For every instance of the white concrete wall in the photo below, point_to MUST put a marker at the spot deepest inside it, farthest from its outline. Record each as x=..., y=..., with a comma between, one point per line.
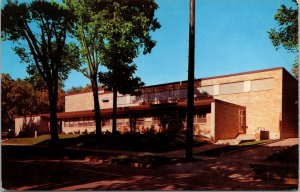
x=20, y=120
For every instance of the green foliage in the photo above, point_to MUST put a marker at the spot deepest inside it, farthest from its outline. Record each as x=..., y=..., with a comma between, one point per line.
x=21, y=98
x=88, y=33
x=41, y=29
x=17, y=98
x=122, y=78
x=35, y=141
x=75, y=90
x=43, y=26
x=286, y=34
x=126, y=29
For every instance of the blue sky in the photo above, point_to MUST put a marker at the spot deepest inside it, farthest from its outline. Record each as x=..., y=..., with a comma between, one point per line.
x=231, y=37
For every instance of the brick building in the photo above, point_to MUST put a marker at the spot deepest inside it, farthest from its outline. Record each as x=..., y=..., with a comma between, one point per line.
x=259, y=104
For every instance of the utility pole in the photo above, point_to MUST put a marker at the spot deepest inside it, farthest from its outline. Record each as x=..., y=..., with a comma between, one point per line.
x=191, y=76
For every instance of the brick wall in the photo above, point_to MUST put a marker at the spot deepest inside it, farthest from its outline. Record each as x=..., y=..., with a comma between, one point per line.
x=263, y=107
x=289, y=106
x=85, y=101
x=227, y=120
x=267, y=103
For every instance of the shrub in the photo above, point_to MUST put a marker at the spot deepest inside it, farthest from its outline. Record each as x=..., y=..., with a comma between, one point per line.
x=85, y=132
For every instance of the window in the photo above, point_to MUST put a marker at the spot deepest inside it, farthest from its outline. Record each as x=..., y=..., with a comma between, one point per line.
x=121, y=100
x=156, y=120
x=230, y=88
x=178, y=94
x=261, y=84
x=151, y=96
x=162, y=96
x=142, y=98
x=105, y=122
x=90, y=121
x=133, y=99
x=200, y=118
x=123, y=122
x=140, y=121
x=207, y=89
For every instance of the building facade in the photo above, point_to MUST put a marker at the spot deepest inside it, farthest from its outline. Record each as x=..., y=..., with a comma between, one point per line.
x=256, y=103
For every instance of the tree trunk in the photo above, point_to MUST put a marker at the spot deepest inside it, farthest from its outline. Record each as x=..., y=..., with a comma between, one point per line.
x=114, y=115
x=52, y=90
x=96, y=106
x=191, y=76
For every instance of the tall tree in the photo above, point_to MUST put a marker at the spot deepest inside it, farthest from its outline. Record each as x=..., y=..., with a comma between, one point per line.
x=127, y=29
x=286, y=34
x=111, y=32
x=42, y=26
x=120, y=79
x=88, y=32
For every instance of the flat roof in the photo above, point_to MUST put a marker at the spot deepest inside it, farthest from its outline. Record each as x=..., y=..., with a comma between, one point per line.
x=219, y=76
x=134, y=109
x=199, y=79
x=198, y=103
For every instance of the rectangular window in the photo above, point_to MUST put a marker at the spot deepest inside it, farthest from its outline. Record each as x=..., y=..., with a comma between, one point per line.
x=178, y=94
x=121, y=100
x=151, y=97
x=262, y=84
x=162, y=96
x=66, y=123
x=142, y=98
x=230, y=88
x=205, y=89
x=156, y=120
x=200, y=118
x=105, y=122
x=133, y=99
x=140, y=121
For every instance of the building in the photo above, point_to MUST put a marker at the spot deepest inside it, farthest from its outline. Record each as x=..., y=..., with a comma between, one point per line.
x=260, y=104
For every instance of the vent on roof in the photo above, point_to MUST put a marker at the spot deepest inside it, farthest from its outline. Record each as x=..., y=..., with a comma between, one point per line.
x=104, y=100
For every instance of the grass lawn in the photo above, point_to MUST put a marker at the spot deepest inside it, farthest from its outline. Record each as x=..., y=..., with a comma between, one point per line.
x=289, y=155
x=135, y=142
x=286, y=167
x=34, y=141
x=219, y=151
x=127, y=142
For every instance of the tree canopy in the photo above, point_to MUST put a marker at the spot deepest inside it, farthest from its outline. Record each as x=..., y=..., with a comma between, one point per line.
x=41, y=29
x=126, y=32
x=286, y=34
x=89, y=22
x=20, y=98
x=111, y=33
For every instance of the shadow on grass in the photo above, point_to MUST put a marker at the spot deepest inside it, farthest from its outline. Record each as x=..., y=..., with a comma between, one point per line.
x=282, y=165
x=92, y=145
x=128, y=142
x=200, y=175
x=231, y=148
